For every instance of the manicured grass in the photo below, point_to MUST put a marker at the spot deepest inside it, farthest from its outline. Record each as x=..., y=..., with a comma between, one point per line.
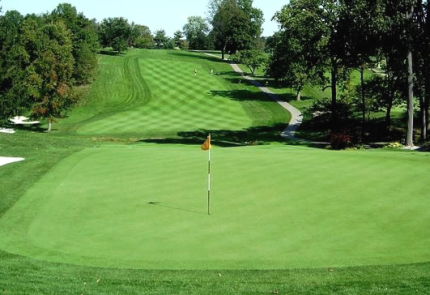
x=156, y=93
x=104, y=212
x=145, y=207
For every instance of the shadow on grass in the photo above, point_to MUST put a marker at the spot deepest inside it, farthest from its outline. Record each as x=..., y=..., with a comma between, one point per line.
x=111, y=53
x=242, y=95
x=37, y=128
x=196, y=55
x=260, y=135
x=158, y=204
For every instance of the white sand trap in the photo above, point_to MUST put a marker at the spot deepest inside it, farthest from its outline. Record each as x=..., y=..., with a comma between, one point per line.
x=21, y=120
x=7, y=130
x=8, y=160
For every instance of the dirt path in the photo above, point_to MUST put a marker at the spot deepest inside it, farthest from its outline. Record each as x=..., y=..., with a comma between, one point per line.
x=296, y=115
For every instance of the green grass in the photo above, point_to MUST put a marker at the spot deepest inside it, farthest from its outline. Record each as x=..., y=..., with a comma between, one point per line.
x=93, y=210
x=156, y=93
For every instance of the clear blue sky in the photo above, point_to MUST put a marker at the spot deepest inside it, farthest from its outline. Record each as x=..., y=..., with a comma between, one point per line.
x=169, y=15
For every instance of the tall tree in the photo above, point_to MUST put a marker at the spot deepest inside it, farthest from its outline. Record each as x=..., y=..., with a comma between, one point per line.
x=48, y=78
x=410, y=132
x=143, y=36
x=361, y=23
x=115, y=33
x=13, y=60
x=315, y=23
x=177, y=39
x=85, y=44
x=236, y=25
x=160, y=39
x=196, y=31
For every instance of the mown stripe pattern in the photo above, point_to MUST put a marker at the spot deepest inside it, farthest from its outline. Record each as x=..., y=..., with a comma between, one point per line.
x=164, y=95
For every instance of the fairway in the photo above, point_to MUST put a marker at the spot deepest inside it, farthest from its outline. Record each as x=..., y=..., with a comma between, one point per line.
x=273, y=207
x=157, y=93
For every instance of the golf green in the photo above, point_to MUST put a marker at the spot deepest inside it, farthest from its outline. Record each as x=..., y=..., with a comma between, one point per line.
x=272, y=207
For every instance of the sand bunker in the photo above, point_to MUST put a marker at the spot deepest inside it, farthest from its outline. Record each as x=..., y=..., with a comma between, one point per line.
x=8, y=160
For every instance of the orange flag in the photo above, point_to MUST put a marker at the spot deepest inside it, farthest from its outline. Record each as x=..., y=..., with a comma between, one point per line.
x=207, y=144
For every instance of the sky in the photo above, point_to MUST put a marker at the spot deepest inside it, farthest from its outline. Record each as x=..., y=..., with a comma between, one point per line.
x=168, y=15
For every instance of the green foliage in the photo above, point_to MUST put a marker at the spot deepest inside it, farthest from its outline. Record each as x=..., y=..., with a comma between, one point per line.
x=85, y=44
x=253, y=59
x=141, y=37
x=394, y=145
x=161, y=41
x=13, y=60
x=196, y=31
x=236, y=25
x=177, y=40
x=51, y=71
x=115, y=33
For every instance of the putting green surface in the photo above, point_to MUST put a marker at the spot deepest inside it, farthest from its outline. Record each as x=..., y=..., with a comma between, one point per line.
x=272, y=207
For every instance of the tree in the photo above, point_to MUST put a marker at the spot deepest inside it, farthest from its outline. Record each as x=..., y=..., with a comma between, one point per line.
x=294, y=57
x=253, y=59
x=409, y=59
x=236, y=25
x=115, y=33
x=361, y=22
x=317, y=26
x=160, y=39
x=85, y=43
x=143, y=36
x=177, y=39
x=13, y=59
x=48, y=75
x=196, y=31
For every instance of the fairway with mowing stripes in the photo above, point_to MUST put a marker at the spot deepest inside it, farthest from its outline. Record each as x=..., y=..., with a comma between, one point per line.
x=273, y=207
x=153, y=94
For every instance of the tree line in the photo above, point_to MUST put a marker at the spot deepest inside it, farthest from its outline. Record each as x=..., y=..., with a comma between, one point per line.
x=321, y=41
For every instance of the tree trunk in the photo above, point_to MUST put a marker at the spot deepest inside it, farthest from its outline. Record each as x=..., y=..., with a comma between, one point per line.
x=223, y=51
x=390, y=95
x=334, y=116
x=410, y=132
x=388, y=115
x=49, y=125
x=363, y=101
x=423, y=118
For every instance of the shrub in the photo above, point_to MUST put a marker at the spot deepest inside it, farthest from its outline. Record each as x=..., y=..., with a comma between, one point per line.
x=340, y=140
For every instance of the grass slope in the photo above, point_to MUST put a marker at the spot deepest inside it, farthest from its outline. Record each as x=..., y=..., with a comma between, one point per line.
x=156, y=93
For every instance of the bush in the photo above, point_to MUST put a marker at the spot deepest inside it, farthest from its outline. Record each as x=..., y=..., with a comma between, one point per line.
x=340, y=140
x=394, y=145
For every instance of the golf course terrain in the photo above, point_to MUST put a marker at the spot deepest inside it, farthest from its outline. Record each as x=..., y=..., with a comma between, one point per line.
x=114, y=199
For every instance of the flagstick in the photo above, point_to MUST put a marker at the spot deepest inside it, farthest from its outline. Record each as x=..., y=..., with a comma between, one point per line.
x=209, y=180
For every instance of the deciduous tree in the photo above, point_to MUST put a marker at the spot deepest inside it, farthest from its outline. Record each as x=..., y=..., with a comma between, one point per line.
x=115, y=33
x=236, y=25
x=196, y=31
x=85, y=44
x=49, y=73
